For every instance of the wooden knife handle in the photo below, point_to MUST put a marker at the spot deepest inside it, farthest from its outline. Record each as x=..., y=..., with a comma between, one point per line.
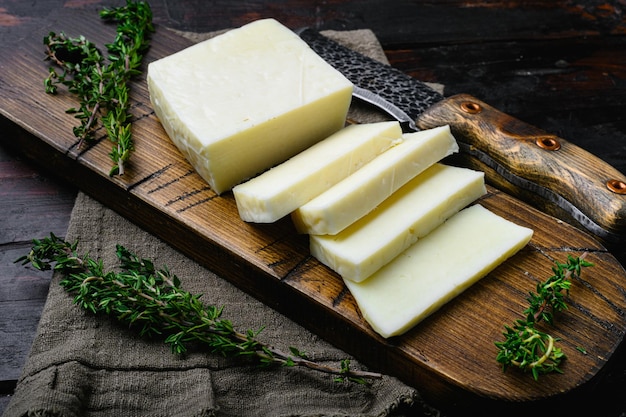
x=592, y=191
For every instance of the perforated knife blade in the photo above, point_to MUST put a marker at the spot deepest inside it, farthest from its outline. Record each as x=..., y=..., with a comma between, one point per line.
x=540, y=168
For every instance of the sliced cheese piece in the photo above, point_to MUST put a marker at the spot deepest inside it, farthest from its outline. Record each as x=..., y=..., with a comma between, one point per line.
x=407, y=215
x=354, y=197
x=436, y=269
x=279, y=191
x=246, y=100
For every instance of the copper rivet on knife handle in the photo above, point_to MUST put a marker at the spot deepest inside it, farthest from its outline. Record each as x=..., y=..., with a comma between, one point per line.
x=548, y=143
x=471, y=107
x=617, y=186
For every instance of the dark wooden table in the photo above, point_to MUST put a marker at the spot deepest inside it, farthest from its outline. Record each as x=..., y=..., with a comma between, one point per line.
x=560, y=65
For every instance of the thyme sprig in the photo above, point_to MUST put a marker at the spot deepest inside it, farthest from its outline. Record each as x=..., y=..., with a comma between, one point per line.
x=527, y=348
x=152, y=300
x=102, y=88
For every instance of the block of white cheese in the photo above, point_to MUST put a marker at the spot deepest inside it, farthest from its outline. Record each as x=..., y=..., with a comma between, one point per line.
x=246, y=100
x=282, y=189
x=410, y=213
x=354, y=197
x=436, y=269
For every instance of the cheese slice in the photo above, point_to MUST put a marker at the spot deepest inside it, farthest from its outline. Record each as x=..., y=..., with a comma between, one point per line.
x=246, y=100
x=436, y=269
x=410, y=213
x=354, y=197
x=279, y=191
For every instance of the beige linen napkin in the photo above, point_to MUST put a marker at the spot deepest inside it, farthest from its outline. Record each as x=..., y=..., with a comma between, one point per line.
x=86, y=365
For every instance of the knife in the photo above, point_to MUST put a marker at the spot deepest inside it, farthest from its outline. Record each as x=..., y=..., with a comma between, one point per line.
x=540, y=168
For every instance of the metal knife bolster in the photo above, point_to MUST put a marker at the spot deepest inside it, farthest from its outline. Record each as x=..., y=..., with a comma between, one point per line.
x=542, y=169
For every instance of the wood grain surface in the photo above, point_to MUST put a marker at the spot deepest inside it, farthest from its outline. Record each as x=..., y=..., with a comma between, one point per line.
x=163, y=194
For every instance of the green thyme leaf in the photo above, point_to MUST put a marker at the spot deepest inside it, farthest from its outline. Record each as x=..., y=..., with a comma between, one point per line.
x=102, y=87
x=527, y=348
x=152, y=300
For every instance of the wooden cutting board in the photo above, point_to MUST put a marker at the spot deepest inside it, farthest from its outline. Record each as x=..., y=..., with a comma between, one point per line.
x=449, y=357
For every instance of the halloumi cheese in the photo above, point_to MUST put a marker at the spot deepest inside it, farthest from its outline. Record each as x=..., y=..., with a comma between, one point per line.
x=358, y=194
x=436, y=269
x=410, y=213
x=246, y=100
x=287, y=186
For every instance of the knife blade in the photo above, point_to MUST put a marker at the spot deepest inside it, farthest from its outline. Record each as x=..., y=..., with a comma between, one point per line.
x=540, y=168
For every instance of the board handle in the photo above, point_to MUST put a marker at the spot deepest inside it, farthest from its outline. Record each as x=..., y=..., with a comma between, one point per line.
x=590, y=190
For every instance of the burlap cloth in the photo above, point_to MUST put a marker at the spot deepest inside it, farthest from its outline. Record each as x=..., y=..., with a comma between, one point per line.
x=86, y=365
